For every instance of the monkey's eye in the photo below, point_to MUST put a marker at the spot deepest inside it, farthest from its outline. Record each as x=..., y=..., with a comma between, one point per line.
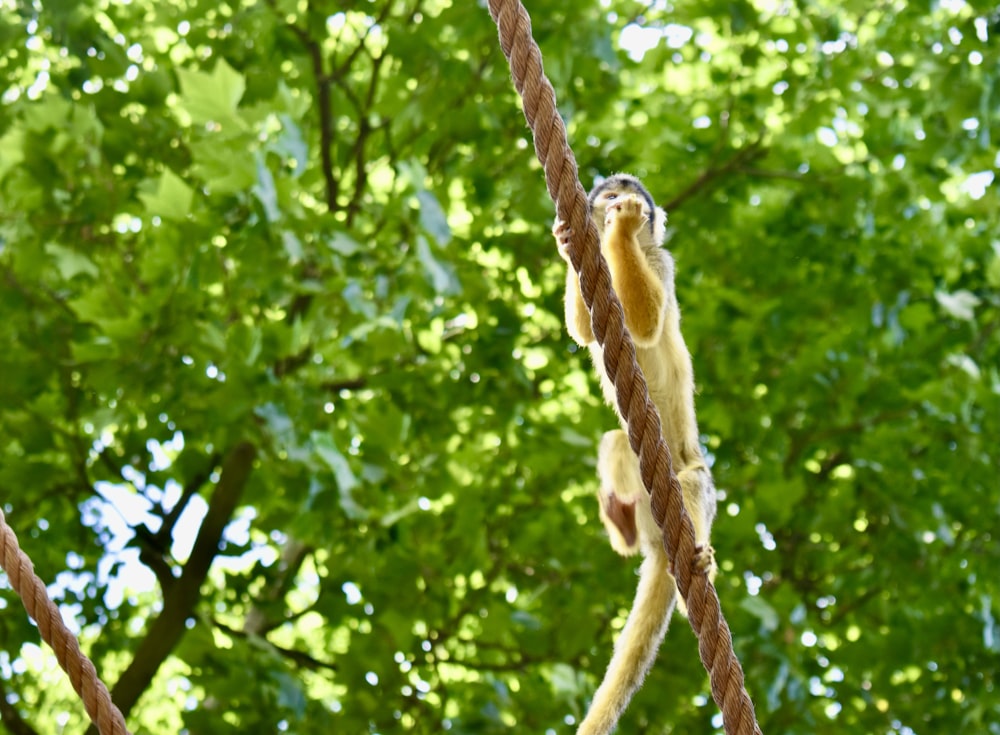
x=610, y=196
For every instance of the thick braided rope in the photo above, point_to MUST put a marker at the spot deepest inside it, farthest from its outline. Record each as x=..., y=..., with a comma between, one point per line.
x=715, y=643
x=44, y=612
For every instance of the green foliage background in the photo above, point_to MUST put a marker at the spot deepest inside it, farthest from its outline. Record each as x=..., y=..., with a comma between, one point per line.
x=285, y=266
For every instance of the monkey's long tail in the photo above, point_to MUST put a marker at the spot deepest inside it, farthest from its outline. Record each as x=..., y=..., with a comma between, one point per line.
x=636, y=647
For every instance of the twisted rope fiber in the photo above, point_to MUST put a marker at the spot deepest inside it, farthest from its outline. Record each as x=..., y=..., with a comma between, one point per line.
x=715, y=643
x=43, y=611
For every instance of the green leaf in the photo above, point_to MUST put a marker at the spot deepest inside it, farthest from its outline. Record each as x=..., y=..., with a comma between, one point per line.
x=71, y=263
x=212, y=97
x=433, y=218
x=94, y=306
x=327, y=451
x=291, y=144
x=766, y=614
x=441, y=276
x=98, y=349
x=266, y=192
x=169, y=198
x=11, y=150
x=343, y=244
x=293, y=246
x=226, y=166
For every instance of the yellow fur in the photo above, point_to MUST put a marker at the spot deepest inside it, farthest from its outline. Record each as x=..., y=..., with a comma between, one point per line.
x=577, y=317
x=642, y=272
x=637, y=286
x=637, y=643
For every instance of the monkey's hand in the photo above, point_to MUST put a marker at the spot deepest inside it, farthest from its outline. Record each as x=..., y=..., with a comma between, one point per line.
x=561, y=232
x=704, y=561
x=628, y=212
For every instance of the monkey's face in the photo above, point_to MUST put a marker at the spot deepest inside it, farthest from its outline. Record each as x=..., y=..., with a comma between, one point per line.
x=612, y=193
x=613, y=201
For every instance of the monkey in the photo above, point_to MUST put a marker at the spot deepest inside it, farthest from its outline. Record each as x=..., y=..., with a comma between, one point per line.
x=632, y=231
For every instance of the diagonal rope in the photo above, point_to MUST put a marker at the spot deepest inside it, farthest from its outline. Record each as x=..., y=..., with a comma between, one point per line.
x=43, y=611
x=715, y=643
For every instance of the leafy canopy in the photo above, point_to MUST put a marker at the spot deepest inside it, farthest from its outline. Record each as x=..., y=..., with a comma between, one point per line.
x=289, y=418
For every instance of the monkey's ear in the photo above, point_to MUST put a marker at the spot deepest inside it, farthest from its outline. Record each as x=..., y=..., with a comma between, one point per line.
x=659, y=225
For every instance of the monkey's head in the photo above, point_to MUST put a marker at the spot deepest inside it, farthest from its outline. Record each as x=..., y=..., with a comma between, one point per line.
x=614, y=187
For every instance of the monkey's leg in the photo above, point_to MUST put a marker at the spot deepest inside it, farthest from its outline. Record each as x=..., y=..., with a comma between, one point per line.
x=699, y=502
x=638, y=287
x=622, y=493
x=577, y=317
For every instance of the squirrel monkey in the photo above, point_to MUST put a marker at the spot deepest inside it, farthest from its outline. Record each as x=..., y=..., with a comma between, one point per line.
x=632, y=230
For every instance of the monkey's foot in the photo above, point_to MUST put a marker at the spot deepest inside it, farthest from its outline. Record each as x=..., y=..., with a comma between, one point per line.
x=561, y=231
x=619, y=520
x=629, y=211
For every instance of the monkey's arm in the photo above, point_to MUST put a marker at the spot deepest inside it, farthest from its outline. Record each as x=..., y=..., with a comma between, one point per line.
x=577, y=317
x=638, y=286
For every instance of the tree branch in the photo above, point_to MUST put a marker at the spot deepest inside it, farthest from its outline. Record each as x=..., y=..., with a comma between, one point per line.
x=164, y=534
x=166, y=631
x=325, y=111
x=764, y=173
x=335, y=386
x=11, y=718
x=257, y=621
x=364, y=130
x=299, y=657
x=323, y=108
x=743, y=156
